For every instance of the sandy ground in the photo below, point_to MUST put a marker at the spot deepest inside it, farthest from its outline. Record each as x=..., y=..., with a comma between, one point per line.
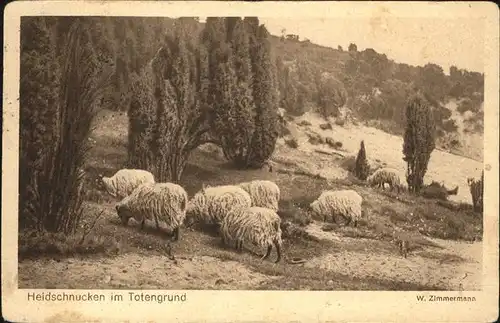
x=142, y=271
x=456, y=266
x=453, y=265
x=444, y=167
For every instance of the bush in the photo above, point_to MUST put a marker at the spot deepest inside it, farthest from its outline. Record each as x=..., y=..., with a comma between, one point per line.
x=476, y=188
x=304, y=123
x=57, y=111
x=419, y=141
x=292, y=143
x=316, y=139
x=325, y=126
x=339, y=122
x=361, y=169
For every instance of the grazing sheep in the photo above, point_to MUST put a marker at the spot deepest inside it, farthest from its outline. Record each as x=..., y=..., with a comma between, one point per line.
x=125, y=181
x=346, y=203
x=386, y=175
x=257, y=225
x=212, y=203
x=164, y=202
x=263, y=193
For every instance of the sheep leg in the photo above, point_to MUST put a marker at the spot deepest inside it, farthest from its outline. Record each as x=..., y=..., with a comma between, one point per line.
x=333, y=218
x=269, y=248
x=175, y=234
x=157, y=223
x=142, y=223
x=278, y=251
x=347, y=220
x=239, y=245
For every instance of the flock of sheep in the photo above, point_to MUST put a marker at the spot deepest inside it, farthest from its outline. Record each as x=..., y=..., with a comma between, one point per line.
x=245, y=212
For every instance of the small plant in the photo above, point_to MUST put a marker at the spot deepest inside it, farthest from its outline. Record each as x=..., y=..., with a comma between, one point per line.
x=304, y=123
x=419, y=141
x=340, y=122
x=362, y=169
x=330, y=142
x=325, y=126
x=316, y=139
x=476, y=188
x=292, y=143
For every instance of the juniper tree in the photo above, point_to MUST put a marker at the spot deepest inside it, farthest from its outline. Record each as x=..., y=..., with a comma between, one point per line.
x=232, y=80
x=362, y=169
x=58, y=105
x=265, y=98
x=419, y=141
x=142, y=121
x=175, y=92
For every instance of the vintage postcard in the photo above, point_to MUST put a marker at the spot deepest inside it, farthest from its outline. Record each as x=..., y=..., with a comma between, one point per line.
x=250, y=161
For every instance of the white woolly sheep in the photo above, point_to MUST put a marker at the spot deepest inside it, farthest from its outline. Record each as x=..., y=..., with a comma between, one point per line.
x=263, y=193
x=125, y=181
x=257, y=225
x=346, y=203
x=212, y=203
x=164, y=202
x=387, y=175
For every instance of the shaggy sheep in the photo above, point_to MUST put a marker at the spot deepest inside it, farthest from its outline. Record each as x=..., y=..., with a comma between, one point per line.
x=389, y=176
x=346, y=203
x=263, y=193
x=257, y=225
x=212, y=203
x=164, y=202
x=124, y=181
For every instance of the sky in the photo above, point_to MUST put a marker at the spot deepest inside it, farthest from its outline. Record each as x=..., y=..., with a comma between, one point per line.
x=414, y=41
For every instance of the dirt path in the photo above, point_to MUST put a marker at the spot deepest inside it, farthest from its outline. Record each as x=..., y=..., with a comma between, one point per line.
x=452, y=265
x=133, y=271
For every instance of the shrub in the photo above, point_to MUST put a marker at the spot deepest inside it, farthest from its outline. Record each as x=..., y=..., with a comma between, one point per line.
x=304, y=123
x=56, y=122
x=339, y=122
x=325, y=126
x=174, y=106
x=476, y=188
x=316, y=139
x=292, y=143
x=419, y=141
x=361, y=169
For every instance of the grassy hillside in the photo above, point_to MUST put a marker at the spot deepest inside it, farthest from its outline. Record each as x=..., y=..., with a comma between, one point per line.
x=377, y=87
x=362, y=258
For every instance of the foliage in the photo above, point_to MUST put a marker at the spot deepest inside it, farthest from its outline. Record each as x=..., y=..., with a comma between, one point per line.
x=419, y=141
x=56, y=125
x=266, y=132
x=331, y=95
x=476, y=188
x=242, y=86
x=362, y=169
x=230, y=81
x=172, y=98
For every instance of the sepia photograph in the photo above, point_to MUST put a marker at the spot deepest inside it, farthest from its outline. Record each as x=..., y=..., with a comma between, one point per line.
x=255, y=149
